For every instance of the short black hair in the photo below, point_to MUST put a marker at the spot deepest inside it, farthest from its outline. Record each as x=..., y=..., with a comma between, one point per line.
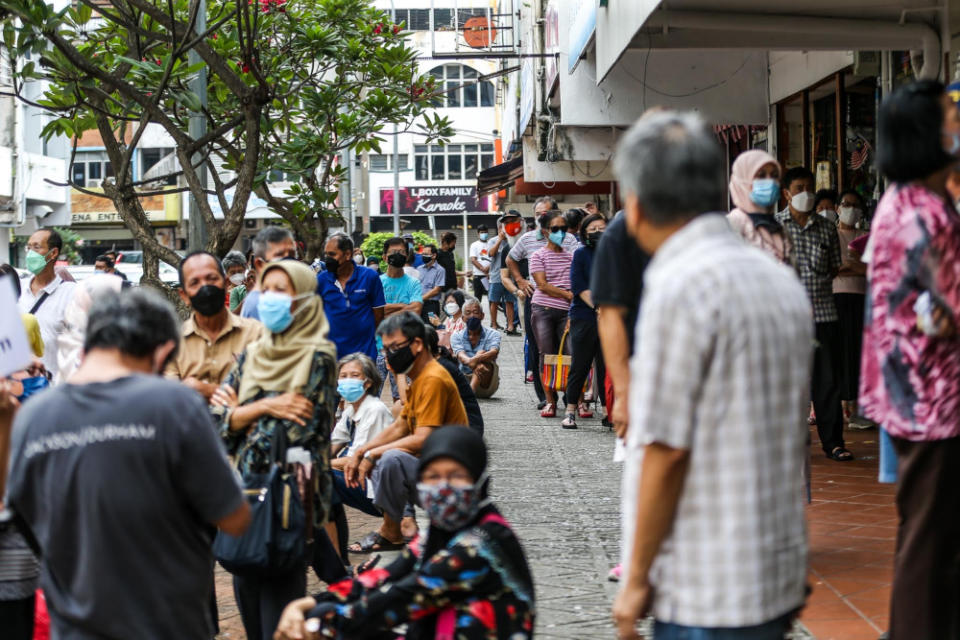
x=825, y=194
x=482, y=227
x=574, y=217
x=407, y=322
x=7, y=270
x=136, y=321
x=344, y=242
x=105, y=259
x=199, y=252
x=457, y=295
x=909, y=132
x=432, y=339
x=395, y=241
x=544, y=220
x=431, y=246
x=857, y=195
x=447, y=237
x=590, y=219
x=796, y=173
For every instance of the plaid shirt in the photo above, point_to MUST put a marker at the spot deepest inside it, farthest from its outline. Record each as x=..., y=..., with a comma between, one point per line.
x=816, y=250
x=722, y=369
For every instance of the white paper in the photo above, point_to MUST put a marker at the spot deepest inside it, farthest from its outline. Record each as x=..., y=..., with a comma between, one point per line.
x=14, y=349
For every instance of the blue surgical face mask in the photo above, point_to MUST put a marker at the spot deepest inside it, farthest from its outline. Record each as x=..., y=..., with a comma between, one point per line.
x=766, y=192
x=32, y=386
x=484, y=236
x=274, y=310
x=350, y=389
x=556, y=237
x=954, y=145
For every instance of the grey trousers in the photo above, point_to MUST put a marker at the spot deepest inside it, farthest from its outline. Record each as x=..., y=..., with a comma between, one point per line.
x=395, y=483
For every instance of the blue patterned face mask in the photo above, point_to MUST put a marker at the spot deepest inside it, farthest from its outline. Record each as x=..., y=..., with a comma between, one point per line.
x=452, y=507
x=33, y=385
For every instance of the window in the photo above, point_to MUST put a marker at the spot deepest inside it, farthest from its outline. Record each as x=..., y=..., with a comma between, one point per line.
x=150, y=157
x=443, y=19
x=384, y=162
x=452, y=162
x=463, y=87
x=89, y=168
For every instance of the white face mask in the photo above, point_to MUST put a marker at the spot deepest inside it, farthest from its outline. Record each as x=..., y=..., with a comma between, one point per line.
x=830, y=215
x=802, y=202
x=358, y=260
x=236, y=279
x=451, y=308
x=850, y=215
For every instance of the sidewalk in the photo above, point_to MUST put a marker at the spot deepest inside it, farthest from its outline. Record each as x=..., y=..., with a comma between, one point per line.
x=853, y=527
x=561, y=491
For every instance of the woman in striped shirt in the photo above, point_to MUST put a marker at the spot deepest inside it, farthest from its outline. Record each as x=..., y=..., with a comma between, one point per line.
x=550, y=268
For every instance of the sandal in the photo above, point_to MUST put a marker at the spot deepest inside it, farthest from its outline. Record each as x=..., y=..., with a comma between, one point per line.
x=840, y=454
x=584, y=411
x=615, y=574
x=373, y=541
x=569, y=422
x=549, y=411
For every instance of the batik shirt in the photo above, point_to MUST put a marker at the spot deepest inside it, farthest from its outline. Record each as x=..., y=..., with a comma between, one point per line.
x=910, y=382
x=250, y=447
x=472, y=575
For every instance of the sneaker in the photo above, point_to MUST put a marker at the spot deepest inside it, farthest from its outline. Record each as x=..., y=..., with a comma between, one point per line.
x=529, y=378
x=859, y=423
x=615, y=573
x=569, y=422
x=584, y=411
x=549, y=411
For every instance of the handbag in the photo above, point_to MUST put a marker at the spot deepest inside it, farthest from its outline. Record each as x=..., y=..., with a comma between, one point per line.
x=275, y=542
x=555, y=368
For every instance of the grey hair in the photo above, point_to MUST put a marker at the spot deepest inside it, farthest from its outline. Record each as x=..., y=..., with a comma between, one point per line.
x=671, y=161
x=369, y=369
x=233, y=259
x=344, y=242
x=547, y=199
x=269, y=235
x=470, y=300
x=135, y=321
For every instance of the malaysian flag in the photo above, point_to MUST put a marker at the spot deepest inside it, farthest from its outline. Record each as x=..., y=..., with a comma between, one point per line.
x=860, y=153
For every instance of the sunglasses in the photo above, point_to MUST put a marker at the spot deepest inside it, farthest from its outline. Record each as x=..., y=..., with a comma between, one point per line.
x=555, y=229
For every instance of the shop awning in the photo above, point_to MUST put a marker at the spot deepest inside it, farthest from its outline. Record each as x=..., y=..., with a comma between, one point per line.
x=499, y=176
x=815, y=25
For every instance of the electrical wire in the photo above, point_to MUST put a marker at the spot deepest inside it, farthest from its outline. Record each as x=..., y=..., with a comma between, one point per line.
x=666, y=94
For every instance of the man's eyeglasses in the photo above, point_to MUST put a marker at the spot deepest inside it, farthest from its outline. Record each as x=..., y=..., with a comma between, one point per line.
x=397, y=347
x=555, y=229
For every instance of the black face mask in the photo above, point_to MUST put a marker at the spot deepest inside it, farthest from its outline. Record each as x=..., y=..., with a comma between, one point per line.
x=593, y=239
x=396, y=260
x=209, y=300
x=331, y=263
x=401, y=360
x=427, y=259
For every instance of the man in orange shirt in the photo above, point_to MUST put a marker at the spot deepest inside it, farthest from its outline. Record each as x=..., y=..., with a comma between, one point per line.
x=390, y=459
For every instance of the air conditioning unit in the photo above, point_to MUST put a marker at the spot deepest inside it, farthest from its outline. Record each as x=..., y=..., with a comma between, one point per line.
x=866, y=63
x=94, y=184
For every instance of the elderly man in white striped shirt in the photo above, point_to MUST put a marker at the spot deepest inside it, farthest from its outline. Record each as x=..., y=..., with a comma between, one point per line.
x=714, y=537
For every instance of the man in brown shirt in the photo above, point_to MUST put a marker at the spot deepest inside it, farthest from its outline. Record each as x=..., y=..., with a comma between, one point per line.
x=213, y=337
x=390, y=458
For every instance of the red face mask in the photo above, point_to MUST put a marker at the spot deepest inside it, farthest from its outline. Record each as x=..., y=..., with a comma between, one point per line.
x=512, y=228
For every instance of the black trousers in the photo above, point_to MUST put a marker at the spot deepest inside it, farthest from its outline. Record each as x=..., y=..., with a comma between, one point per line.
x=825, y=387
x=850, y=309
x=586, y=352
x=926, y=568
x=261, y=601
x=478, y=289
x=16, y=618
x=533, y=350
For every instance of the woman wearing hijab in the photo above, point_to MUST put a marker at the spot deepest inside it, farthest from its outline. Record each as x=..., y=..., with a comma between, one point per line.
x=285, y=380
x=468, y=579
x=755, y=191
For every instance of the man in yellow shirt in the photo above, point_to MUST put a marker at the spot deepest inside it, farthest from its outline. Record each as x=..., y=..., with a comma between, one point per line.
x=389, y=460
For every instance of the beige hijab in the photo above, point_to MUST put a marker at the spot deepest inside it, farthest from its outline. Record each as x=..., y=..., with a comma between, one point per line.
x=282, y=361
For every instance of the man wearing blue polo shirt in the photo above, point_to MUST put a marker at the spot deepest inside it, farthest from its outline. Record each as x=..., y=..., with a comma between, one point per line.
x=352, y=299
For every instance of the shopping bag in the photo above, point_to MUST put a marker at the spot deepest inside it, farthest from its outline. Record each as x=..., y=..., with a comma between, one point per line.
x=555, y=367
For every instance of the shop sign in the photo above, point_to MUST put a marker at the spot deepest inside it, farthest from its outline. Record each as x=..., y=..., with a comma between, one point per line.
x=434, y=200
x=111, y=217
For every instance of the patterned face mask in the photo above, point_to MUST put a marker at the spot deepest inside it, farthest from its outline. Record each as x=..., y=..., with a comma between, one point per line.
x=449, y=507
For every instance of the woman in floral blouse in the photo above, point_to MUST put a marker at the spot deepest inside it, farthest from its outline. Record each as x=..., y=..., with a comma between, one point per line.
x=910, y=380
x=285, y=380
x=468, y=580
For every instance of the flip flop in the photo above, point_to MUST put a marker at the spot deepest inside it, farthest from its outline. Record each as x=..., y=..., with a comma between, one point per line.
x=373, y=541
x=840, y=454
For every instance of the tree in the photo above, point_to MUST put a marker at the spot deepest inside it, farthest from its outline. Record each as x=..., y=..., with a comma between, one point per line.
x=291, y=84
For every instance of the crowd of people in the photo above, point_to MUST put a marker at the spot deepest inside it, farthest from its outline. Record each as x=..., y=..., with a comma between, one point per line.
x=711, y=338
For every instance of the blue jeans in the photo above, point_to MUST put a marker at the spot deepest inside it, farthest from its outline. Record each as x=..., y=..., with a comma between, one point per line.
x=385, y=374
x=773, y=630
x=355, y=497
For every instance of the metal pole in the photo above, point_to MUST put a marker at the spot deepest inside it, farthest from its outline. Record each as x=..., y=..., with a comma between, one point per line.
x=346, y=194
x=466, y=248
x=197, y=231
x=396, y=158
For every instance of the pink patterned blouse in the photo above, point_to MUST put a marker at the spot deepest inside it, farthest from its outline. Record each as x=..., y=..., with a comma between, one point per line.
x=910, y=382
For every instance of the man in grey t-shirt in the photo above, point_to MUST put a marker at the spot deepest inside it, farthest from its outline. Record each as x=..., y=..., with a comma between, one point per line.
x=119, y=478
